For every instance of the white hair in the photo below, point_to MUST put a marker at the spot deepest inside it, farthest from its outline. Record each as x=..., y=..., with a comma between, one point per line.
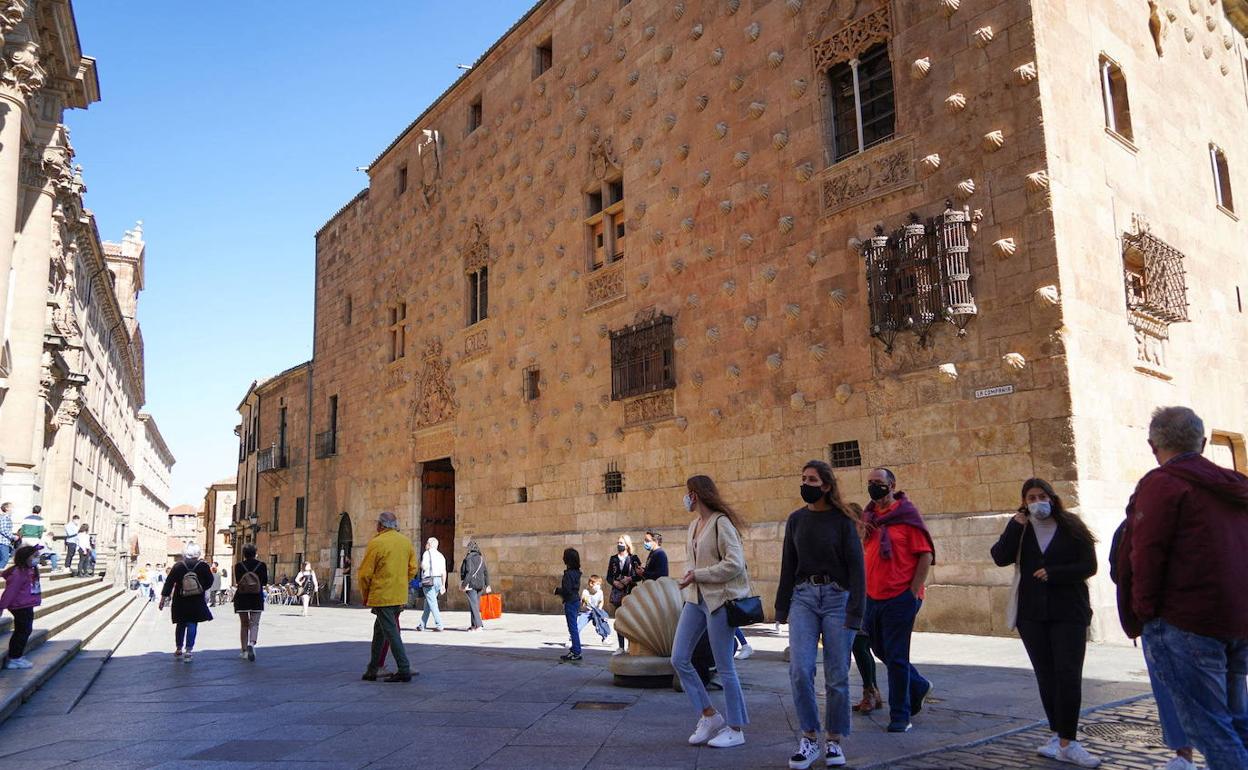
x=433, y=541
x=1177, y=429
x=193, y=551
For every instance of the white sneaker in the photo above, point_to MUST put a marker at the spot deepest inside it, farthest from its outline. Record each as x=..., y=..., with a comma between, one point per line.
x=242, y=655
x=1179, y=763
x=744, y=653
x=727, y=738
x=1076, y=754
x=1050, y=748
x=832, y=754
x=187, y=656
x=707, y=728
x=618, y=651
x=15, y=663
x=806, y=754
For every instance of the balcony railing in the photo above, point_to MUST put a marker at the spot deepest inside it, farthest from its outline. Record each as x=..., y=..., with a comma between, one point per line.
x=326, y=444
x=271, y=459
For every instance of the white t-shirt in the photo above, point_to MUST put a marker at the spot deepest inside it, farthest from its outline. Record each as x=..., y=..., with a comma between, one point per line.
x=433, y=564
x=592, y=599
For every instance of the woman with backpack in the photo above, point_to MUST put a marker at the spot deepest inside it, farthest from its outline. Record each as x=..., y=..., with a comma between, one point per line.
x=186, y=590
x=250, y=577
x=716, y=576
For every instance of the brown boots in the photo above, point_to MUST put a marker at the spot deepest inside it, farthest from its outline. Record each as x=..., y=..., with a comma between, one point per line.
x=871, y=701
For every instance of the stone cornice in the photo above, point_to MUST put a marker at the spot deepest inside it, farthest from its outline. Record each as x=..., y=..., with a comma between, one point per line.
x=87, y=414
x=91, y=244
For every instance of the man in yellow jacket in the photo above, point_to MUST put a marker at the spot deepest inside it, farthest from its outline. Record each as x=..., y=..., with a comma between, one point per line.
x=389, y=565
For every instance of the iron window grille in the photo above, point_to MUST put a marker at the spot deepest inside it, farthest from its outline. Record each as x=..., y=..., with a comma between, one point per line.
x=642, y=358
x=613, y=481
x=1156, y=286
x=844, y=454
x=862, y=102
x=918, y=275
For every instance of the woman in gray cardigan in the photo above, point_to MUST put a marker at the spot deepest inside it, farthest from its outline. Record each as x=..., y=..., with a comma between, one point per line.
x=716, y=574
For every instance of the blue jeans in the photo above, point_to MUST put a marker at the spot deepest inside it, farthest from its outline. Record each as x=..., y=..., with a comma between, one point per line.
x=6, y=551
x=1206, y=678
x=431, y=604
x=819, y=610
x=571, y=613
x=890, y=623
x=185, y=631
x=1171, y=731
x=695, y=620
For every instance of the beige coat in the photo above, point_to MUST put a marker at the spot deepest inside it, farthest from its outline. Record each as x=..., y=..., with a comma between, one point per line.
x=718, y=564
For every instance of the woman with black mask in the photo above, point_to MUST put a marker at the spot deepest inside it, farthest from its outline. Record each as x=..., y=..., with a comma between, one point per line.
x=622, y=572
x=821, y=594
x=1054, y=554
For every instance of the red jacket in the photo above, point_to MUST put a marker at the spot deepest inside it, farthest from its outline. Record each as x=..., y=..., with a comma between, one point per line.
x=1183, y=554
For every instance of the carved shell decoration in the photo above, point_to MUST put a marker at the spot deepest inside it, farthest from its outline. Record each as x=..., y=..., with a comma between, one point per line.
x=843, y=392
x=648, y=32
x=762, y=192
x=930, y=162
x=656, y=166
x=693, y=301
x=966, y=188
x=798, y=88
x=780, y=140
x=650, y=615
x=793, y=7
x=731, y=7
x=750, y=323
x=1005, y=247
x=993, y=140
x=608, y=33
x=793, y=311
x=775, y=361
x=726, y=206
x=717, y=56
x=955, y=103
x=620, y=53
x=733, y=371
x=1014, y=361
x=657, y=237
x=626, y=114
x=818, y=351
x=678, y=11
x=786, y=224
x=678, y=266
x=812, y=258
x=643, y=280
x=746, y=240
x=798, y=400
x=983, y=36
x=700, y=102
x=697, y=379
x=581, y=113
x=756, y=109
x=838, y=297
x=708, y=253
x=1048, y=295
x=775, y=59
x=682, y=78
x=805, y=171
x=729, y=287
x=652, y=97
x=947, y=372
x=721, y=130
x=740, y=159
x=1026, y=73
x=1211, y=23
x=753, y=31
x=704, y=178
x=712, y=334
x=949, y=7
x=669, y=121
x=920, y=68
x=696, y=32
x=769, y=274
x=665, y=53
x=1188, y=34
x=1038, y=180
x=633, y=77
x=686, y=224
x=682, y=151
x=585, y=51
x=736, y=82
x=626, y=17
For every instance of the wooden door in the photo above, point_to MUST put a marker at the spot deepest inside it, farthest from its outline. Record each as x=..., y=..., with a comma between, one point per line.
x=437, y=510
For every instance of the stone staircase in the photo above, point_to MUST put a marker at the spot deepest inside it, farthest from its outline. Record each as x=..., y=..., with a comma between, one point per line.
x=70, y=619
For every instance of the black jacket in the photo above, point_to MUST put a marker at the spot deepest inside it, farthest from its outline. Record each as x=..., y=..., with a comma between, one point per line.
x=1069, y=562
x=656, y=565
x=250, y=602
x=614, y=573
x=473, y=574
x=188, y=609
x=570, y=589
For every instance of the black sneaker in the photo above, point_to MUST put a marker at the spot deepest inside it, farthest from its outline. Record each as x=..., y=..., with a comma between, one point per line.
x=571, y=657
x=251, y=653
x=899, y=727
x=916, y=704
x=369, y=676
x=400, y=676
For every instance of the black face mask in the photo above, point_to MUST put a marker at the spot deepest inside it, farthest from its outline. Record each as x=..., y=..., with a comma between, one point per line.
x=620, y=548
x=877, y=491
x=811, y=493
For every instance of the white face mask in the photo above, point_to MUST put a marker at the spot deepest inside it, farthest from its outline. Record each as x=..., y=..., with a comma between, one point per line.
x=689, y=502
x=33, y=561
x=1041, y=509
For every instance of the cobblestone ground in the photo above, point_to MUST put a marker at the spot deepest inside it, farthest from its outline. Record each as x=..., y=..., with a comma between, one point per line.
x=1126, y=736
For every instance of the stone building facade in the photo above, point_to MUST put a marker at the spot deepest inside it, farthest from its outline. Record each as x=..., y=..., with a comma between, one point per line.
x=72, y=437
x=150, y=493
x=974, y=241
x=220, y=501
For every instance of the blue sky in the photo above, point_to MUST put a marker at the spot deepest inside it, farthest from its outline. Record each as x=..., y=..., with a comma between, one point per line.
x=234, y=133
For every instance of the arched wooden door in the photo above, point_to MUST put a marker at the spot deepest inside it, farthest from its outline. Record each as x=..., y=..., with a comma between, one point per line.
x=437, y=510
x=342, y=559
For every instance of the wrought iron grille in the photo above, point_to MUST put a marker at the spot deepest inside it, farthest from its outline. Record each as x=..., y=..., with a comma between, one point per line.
x=1155, y=280
x=270, y=459
x=844, y=454
x=918, y=275
x=613, y=481
x=642, y=359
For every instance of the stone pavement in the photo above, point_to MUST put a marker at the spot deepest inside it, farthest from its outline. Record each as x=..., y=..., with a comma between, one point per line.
x=501, y=699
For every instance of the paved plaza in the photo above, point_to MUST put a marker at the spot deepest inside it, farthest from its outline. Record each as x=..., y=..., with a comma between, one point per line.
x=502, y=699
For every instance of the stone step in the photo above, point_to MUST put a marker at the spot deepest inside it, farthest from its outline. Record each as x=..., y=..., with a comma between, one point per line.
x=50, y=624
x=85, y=588
x=59, y=584
x=54, y=645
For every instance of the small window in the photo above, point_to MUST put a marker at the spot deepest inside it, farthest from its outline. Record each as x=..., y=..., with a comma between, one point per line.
x=299, y=560
x=605, y=224
x=402, y=179
x=474, y=115
x=522, y=494
x=277, y=505
x=612, y=481
x=398, y=331
x=532, y=383
x=615, y=191
x=1114, y=94
x=595, y=203
x=272, y=566
x=478, y=295
x=844, y=454
x=862, y=102
x=543, y=57
x=300, y=516
x=347, y=311
x=1221, y=178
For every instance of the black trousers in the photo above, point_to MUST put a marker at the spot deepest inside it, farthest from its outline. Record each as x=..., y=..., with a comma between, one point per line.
x=1056, y=650
x=23, y=622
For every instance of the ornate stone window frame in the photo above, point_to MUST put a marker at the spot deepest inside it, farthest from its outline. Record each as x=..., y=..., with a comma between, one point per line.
x=844, y=45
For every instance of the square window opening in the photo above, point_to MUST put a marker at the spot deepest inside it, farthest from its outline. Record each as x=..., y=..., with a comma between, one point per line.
x=612, y=481
x=844, y=454
x=1114, y=94
x=532, y=383
x=543, y=57
x=475, y=115
x=402, y=179
x=522, y=494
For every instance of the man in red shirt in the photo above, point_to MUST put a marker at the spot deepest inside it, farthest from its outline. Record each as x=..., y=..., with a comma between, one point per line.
x=899, y=552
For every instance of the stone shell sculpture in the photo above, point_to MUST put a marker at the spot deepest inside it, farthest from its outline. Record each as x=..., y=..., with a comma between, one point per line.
x=648, y=618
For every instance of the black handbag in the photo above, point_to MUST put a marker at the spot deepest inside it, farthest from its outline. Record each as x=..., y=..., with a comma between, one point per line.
x=745, y=611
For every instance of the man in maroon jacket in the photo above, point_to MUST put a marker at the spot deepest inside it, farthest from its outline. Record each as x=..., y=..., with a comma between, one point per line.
x=1184, y=563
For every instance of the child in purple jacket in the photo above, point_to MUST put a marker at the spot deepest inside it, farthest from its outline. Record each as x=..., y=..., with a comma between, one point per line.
x=21, y=596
